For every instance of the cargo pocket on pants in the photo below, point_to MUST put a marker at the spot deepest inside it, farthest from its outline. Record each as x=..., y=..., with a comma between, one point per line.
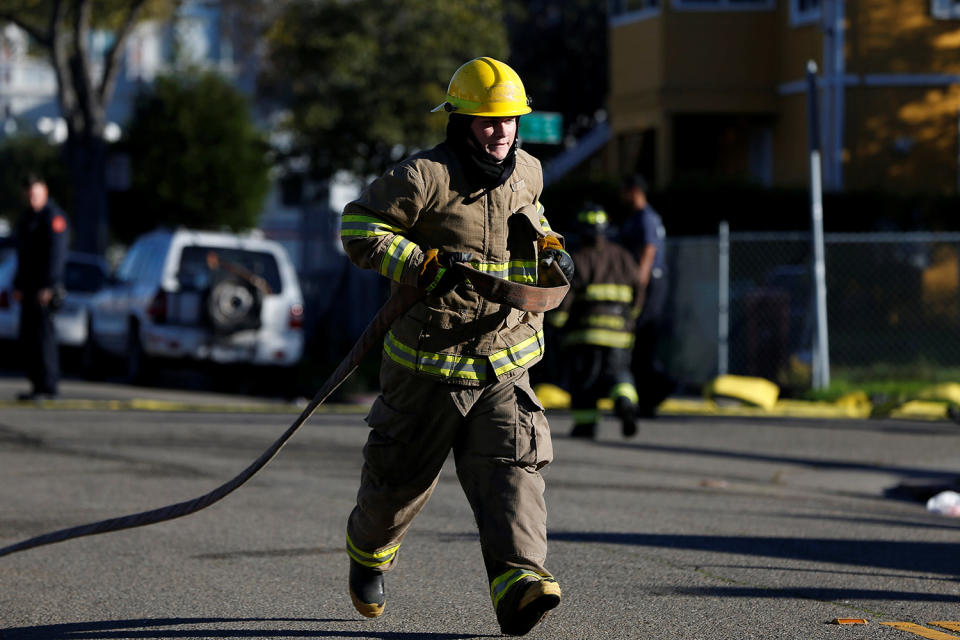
x=388, y=444
x=534, y=447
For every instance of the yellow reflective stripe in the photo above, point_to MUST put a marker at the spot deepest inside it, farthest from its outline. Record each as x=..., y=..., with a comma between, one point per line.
x=518, y=355
x=606, y=321
x=601, y=338
x=524, y=271
x=353, y=225
x=595, y=216
x=441, y=364
x=543, y=218
x=585, y=416
x=407, y=250
x=395, y=258
x=609, y=292
x=468, y=367
x=377, y=559
x=626, y=390
x=502, y=583
x=558, y=318
x=436, y=279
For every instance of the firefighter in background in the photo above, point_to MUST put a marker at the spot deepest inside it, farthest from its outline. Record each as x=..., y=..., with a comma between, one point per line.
x=597, y=318
x=454, y=368
x=38, y=285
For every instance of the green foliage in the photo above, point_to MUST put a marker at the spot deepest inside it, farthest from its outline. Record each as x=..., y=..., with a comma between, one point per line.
x=196, y=158
x=23, y=154
x=361, y=76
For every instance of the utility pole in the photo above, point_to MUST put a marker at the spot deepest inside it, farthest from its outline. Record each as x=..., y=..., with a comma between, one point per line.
x=821, y=351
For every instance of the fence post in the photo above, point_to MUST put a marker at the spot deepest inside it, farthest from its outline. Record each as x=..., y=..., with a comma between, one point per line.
x=821, y=352
x=723, y=316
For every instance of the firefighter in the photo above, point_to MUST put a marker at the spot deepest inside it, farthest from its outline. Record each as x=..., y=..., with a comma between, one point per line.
x=597, y=319
x=38, y=285
x=454, y=368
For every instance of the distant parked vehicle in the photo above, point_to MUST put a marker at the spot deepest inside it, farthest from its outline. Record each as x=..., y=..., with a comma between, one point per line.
x=84, y=275
x=198, y=296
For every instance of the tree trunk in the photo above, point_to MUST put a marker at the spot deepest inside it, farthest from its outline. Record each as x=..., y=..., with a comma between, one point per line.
x=87, y=159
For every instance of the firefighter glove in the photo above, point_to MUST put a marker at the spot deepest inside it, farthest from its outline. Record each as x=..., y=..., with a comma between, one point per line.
x=562, y=258
x=436, y=275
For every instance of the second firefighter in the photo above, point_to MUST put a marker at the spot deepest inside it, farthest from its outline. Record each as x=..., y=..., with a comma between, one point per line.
x=597, y=319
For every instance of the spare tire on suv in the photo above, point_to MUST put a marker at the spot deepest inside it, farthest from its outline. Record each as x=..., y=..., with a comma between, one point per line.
x=233, y=304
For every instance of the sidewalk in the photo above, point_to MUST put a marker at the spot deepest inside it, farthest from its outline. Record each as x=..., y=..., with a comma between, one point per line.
x=106, y=396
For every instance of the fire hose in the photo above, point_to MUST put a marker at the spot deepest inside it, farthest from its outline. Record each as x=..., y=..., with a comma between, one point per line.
x=519, y=296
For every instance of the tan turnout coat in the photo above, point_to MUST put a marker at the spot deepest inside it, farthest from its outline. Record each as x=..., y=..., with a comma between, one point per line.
x=425, y=203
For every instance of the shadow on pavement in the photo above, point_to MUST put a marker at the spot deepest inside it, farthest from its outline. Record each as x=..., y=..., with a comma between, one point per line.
x=149, y=628
x=813, y=463
x=810, y=593
x=939, y=558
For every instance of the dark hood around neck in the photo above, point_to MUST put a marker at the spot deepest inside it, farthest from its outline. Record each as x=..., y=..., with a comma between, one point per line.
x=483, y=171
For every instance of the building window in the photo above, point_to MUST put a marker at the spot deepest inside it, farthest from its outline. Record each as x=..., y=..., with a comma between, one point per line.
x=724, y=5
x=945, y=9
x=622, y=11
x=804, y=12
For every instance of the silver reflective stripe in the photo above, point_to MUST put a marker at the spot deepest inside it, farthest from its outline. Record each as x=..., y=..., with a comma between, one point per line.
x=518, y=355
x=396, y=257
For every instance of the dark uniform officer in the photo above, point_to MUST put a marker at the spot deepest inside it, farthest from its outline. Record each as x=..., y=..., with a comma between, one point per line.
x=41, y=253
x=643, y=234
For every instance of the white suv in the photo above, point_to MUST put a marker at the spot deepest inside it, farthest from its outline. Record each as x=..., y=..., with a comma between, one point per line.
x=200, y=295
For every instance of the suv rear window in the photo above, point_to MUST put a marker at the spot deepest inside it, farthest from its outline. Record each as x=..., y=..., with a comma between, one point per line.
x=83, y=277
x=195, y=260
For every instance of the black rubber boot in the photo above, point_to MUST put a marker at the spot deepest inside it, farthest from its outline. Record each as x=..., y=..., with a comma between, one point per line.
x=627, y=412
x=584, y=430
x=366, y=590
x=526, y=605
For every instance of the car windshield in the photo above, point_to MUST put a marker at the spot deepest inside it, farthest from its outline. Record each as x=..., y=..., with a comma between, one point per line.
x=83, y=277
x=196, y=263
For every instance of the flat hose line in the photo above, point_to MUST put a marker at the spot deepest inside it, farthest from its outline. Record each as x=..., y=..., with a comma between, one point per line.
x=523, y=297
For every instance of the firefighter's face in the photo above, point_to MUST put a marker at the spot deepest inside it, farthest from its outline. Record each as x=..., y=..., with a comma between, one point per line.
x=37, y=196
x=495, y=135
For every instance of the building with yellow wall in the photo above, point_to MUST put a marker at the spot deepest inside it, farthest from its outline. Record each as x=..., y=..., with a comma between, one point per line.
x=716, y=89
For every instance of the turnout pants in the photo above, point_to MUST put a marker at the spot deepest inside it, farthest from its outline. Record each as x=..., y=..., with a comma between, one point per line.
x=597, y=372
x=500, y=440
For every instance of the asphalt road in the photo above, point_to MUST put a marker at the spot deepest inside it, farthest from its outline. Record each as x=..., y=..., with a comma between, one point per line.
x=699, y=528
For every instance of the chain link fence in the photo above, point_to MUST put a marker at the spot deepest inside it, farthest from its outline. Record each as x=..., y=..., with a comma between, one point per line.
x=893, y=307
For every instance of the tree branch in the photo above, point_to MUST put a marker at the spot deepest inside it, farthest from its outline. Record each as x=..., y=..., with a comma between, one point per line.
x=112, y=59
x=60, y=58
x=80, y=62
x=43, y=39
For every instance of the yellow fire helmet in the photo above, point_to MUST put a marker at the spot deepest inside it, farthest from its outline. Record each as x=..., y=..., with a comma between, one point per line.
x=486, y=87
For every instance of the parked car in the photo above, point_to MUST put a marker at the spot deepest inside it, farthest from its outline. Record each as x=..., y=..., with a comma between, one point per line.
x=84, y=275
x=198, y=296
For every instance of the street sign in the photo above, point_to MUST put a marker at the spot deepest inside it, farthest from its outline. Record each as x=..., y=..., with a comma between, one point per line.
x=542, y=127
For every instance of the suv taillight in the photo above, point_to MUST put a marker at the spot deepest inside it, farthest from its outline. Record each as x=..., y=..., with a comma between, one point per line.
x=157, y=310
x=4, y=299
x=296, y=316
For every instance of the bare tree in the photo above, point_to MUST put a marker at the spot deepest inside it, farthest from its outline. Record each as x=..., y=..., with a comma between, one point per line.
x=63, y=29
